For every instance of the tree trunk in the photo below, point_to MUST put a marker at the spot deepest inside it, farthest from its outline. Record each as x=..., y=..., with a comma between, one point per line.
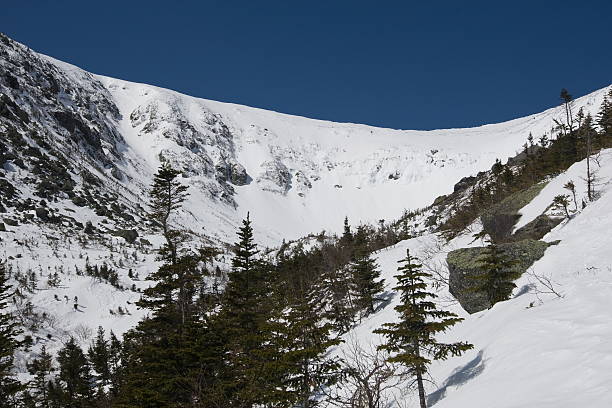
x=421, y=390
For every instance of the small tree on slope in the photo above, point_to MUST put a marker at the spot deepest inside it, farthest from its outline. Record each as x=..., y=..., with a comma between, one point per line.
x=411, y=340
x=498, y=275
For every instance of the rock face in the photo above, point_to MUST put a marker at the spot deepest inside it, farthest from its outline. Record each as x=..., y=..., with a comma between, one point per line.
x=499, y=220
x=129, y=235
x=463, y=265
x=537, y=228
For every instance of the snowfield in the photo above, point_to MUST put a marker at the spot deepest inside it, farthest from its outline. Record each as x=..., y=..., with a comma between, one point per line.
x=537, y=349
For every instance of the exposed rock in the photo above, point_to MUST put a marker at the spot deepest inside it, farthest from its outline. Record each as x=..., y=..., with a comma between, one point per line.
x=2, y=227
x=464, y=183
x=275, y=177
x=537, y=228
x=463, y=265
x=238, y=175
x=129, y=235
x=499, y=220
x=11, y=222
x=42, y=213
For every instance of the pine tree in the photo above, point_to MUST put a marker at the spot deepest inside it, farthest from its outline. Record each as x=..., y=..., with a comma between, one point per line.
x=562, y=201
x=167, y=194
x=411, y=340
x=336, y=285
x=347, y=235
x=301, y=339
x=571, y=187
x=604, y=117
x=9, y=344
x=74, y=375
x=365, y=275
x=42, y=370
x=496, y=280
x=243, y=313
x=99, y=357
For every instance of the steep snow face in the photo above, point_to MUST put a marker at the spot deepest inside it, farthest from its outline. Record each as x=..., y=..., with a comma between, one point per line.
x=295, y=175
x=536, y=349
x=298, y=175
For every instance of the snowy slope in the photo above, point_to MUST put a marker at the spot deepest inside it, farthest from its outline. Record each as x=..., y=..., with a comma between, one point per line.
x=310, y=172
x=537, y=349
x=297, y=176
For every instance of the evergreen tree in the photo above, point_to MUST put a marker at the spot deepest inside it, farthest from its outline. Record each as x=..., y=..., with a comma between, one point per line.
x=365, y=275
x=301, y=338
x=411, y=340
x=604, y=117
x=41, y=370
x=74, y=376
x=347, y=235
x=336, y=286
x=158, y=357
x=244, y=313
x=562, y=201
x=496, y=280
x=571, y=187
x=99, y=357
x=167, y=194
x=9, y=344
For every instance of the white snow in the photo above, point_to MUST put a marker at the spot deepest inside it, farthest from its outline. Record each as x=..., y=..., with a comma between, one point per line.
x=534, y=350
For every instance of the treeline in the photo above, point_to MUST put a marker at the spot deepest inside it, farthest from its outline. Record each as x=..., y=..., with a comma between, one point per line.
x=578, y=137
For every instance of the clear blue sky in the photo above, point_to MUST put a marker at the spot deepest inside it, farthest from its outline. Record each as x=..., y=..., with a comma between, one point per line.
x=401, y=64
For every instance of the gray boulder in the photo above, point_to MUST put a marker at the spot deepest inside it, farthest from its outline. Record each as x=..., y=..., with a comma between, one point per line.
x=129, y=235
x=464, y=265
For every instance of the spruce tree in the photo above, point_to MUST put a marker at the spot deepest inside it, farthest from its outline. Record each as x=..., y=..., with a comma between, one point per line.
x=498, y=274
x=347, y=235
x=366, y=274
x=41, y=369
x=243, y=315
x=99, y=357
x=301, y=338
x=604, y=117
x=167, y=194
x=157, y=356
x=74, y=376
x=9, y=343
x=411, y=340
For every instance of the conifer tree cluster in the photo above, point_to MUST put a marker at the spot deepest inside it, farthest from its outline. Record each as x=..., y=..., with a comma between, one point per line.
x=578, y=137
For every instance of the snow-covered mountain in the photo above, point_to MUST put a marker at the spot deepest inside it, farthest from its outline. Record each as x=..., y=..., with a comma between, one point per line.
x=295, y=175
x=79, y=148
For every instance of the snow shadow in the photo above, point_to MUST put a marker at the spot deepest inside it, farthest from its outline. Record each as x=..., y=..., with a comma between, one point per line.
x=385, y=300
x=459, y=377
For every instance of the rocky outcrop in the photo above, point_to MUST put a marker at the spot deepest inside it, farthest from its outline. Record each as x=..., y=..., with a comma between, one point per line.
x=274, y=177
x=464, y=265
x=499, y=220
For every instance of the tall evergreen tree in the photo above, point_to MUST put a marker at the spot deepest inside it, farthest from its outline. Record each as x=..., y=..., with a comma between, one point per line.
x=366, y=274
x=244, y=313
x=158, y=356
x=9, y=343
x=411, y=341
x=41, y=369
x=301, y=338
x=99, y=357
x=496, y=280
x=167, y=194
x=75, y=376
